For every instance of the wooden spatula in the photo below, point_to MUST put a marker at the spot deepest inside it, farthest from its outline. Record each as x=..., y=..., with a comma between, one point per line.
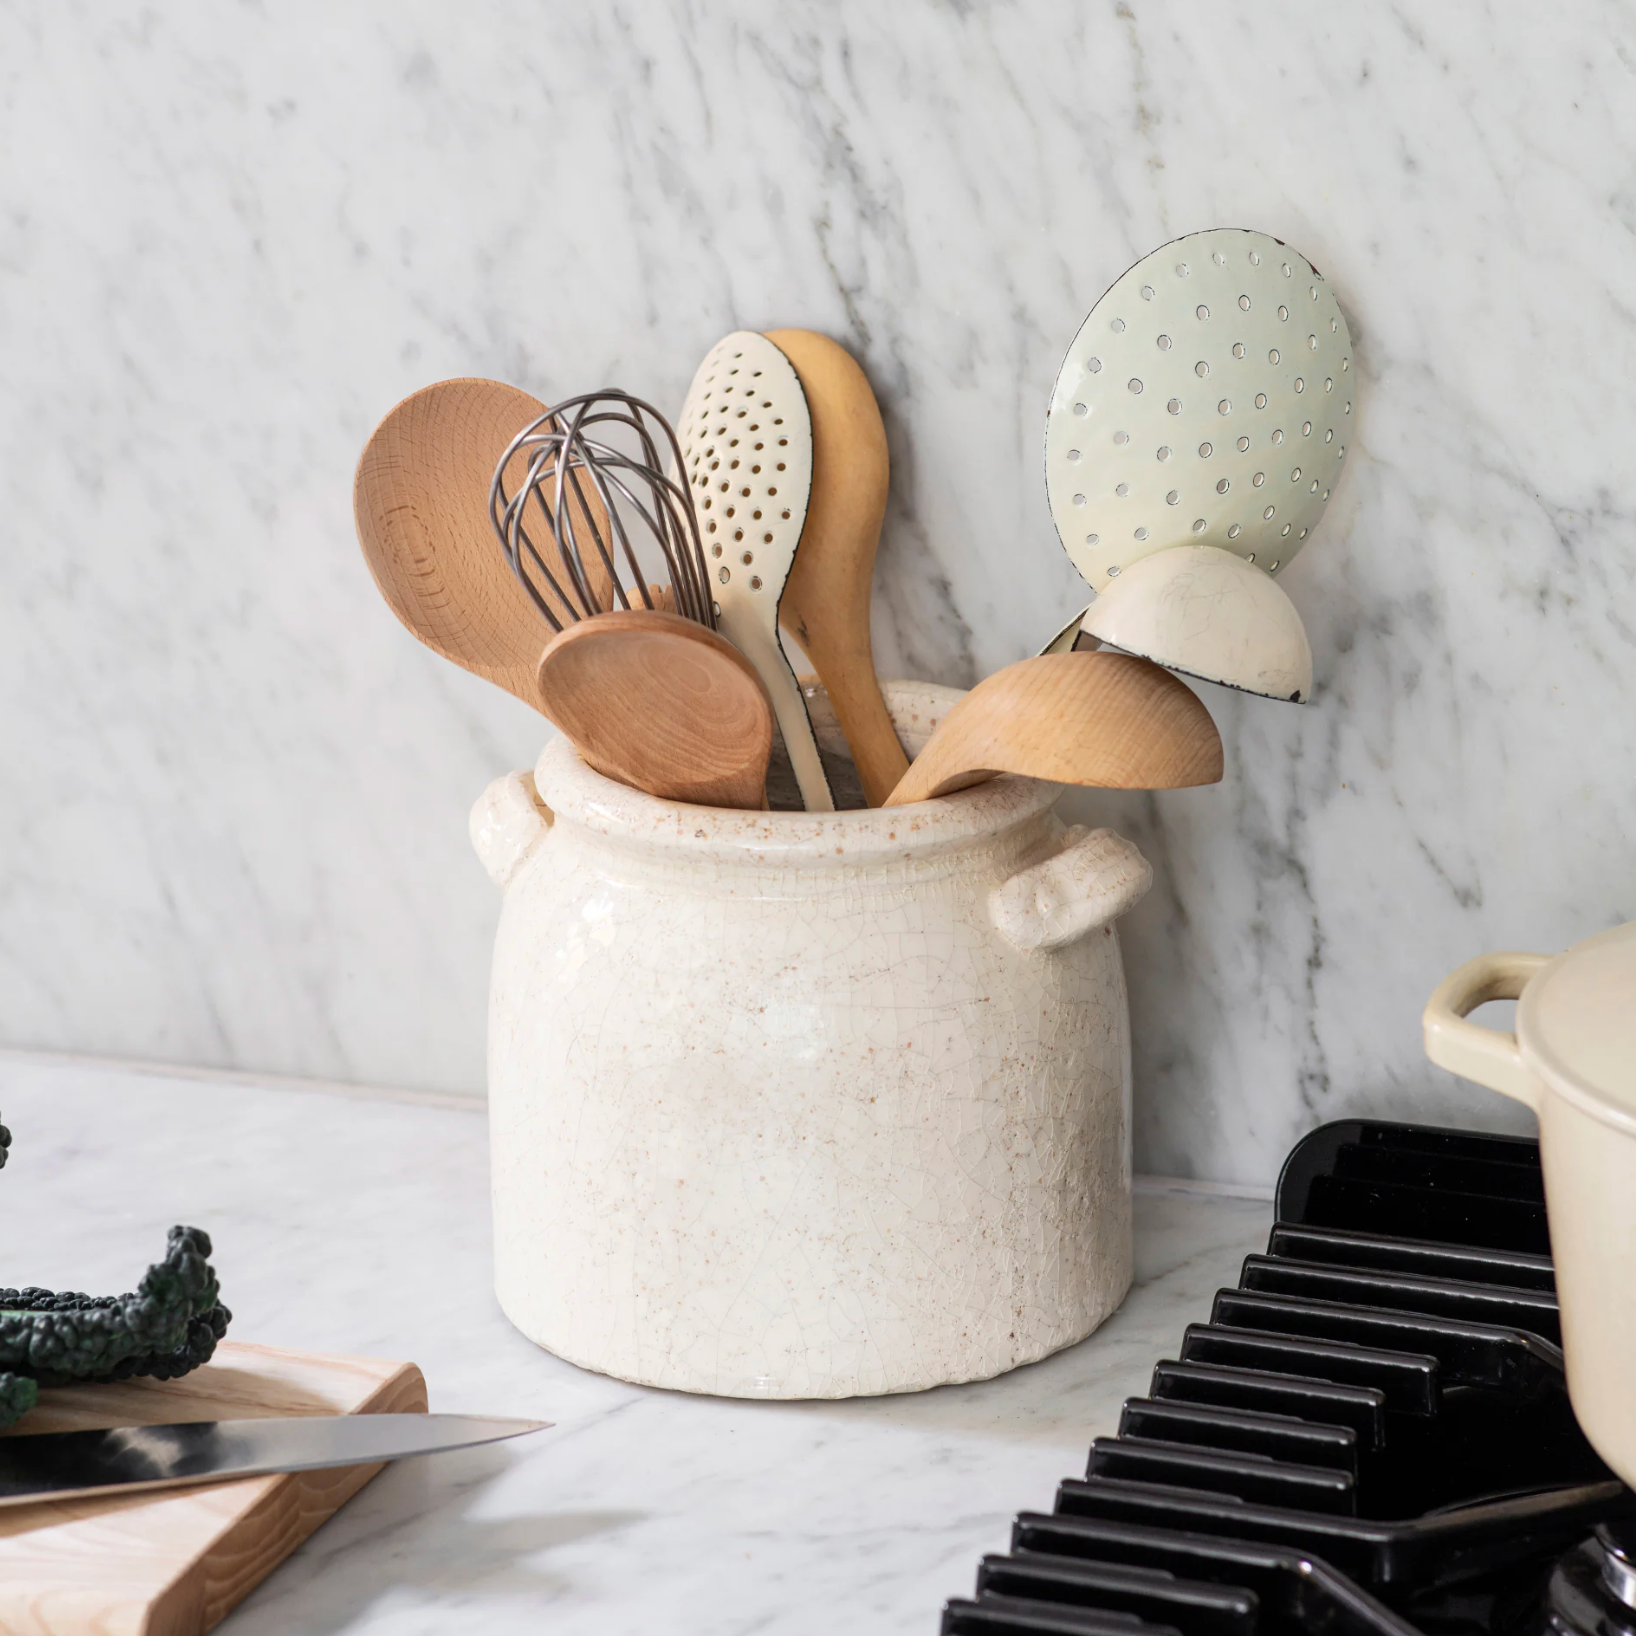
x=1071, y=718
x=826, y=597
x=420, y=501
x=662, y=704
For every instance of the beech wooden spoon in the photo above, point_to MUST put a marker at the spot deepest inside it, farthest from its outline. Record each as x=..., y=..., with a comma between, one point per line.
x=826, y=597
x=1071, y=718
x=662, y=704
x=420, y=501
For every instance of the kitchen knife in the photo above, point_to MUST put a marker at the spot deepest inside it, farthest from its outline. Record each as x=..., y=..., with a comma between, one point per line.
x=126, y=1459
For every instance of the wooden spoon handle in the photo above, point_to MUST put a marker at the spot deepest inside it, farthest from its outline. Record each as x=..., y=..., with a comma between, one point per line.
x=825, y=604
x=848, y=675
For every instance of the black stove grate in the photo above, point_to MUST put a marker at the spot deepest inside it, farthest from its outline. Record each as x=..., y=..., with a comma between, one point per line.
x=1371, y=1434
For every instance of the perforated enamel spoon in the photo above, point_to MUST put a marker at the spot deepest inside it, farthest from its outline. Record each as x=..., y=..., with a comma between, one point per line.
x=746, y=438
x=1205, y=401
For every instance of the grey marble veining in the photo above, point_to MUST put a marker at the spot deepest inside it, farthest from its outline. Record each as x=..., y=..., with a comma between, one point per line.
x=232, y=816
x=339, y=1228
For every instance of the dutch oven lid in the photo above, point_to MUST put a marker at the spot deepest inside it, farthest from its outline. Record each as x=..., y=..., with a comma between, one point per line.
x=1577, y=1017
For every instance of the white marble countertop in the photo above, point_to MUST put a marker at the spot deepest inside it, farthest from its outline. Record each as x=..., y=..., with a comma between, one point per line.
x=359, y=1224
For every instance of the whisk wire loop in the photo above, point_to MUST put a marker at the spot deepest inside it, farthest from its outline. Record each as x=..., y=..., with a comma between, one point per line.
x=583, y=488
x=567, y=475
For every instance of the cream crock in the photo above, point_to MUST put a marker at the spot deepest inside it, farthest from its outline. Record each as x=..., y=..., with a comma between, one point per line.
x=806, y=1105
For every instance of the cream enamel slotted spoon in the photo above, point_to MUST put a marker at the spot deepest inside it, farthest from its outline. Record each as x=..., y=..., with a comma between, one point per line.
x=746, y=438
x=1206, y=401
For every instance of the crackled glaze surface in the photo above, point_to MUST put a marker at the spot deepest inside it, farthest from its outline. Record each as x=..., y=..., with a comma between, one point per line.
x=777, y=1107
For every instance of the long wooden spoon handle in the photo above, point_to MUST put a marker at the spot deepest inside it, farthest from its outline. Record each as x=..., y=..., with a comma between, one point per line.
x=861, y=711
x=825, y=604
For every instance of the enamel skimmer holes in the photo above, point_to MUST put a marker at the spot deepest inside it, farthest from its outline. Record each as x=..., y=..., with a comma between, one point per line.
x=749, y=463
x=1206, y=400
x=746, y=437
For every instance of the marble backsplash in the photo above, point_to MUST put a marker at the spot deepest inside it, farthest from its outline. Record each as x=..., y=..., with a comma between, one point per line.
x=232, y=815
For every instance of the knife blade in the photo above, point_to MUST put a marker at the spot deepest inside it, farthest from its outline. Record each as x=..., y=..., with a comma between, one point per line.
x=39, y=1466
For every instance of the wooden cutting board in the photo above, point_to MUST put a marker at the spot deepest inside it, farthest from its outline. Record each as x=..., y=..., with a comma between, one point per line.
x=173, y=1564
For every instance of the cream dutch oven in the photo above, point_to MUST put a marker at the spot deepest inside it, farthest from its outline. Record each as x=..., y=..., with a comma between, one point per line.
x=1573, y=1061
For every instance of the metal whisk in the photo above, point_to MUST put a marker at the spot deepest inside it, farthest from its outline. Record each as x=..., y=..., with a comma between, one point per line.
x=585, y=491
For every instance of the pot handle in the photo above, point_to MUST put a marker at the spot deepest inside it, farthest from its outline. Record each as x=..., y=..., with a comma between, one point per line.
x=507, y=824
x=1095, y=877
x=1490, y=1056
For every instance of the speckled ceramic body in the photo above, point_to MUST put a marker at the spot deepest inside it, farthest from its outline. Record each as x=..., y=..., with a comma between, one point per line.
x=802, y=1105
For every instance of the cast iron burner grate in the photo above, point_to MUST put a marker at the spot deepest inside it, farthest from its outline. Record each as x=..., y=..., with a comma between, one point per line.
x=1371, y=1435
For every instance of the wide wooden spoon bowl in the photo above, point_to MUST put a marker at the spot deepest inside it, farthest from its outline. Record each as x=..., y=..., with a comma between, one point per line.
x=661, y=704
x=1071, y=718
x=421, y=504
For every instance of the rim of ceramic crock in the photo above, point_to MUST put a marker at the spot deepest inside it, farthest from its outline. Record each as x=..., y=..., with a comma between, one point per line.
x=609, y=809
x=1548, y=1068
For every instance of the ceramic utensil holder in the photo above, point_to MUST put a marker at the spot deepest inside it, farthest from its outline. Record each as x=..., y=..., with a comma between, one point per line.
x=794, y=1105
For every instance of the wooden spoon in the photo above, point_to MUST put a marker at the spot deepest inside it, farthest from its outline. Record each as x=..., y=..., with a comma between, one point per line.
x=826, y=597
x=661, y=704
x=421, y=504
x=1071, y=718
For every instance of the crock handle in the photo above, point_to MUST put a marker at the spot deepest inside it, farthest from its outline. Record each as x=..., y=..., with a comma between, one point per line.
x=1490, y=1056
x=1095, y=878
x=507, y=824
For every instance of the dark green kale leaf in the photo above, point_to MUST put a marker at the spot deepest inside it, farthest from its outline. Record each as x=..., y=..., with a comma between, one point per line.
x=18, y=1394
x=166, y=1327
x=58, y=1338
